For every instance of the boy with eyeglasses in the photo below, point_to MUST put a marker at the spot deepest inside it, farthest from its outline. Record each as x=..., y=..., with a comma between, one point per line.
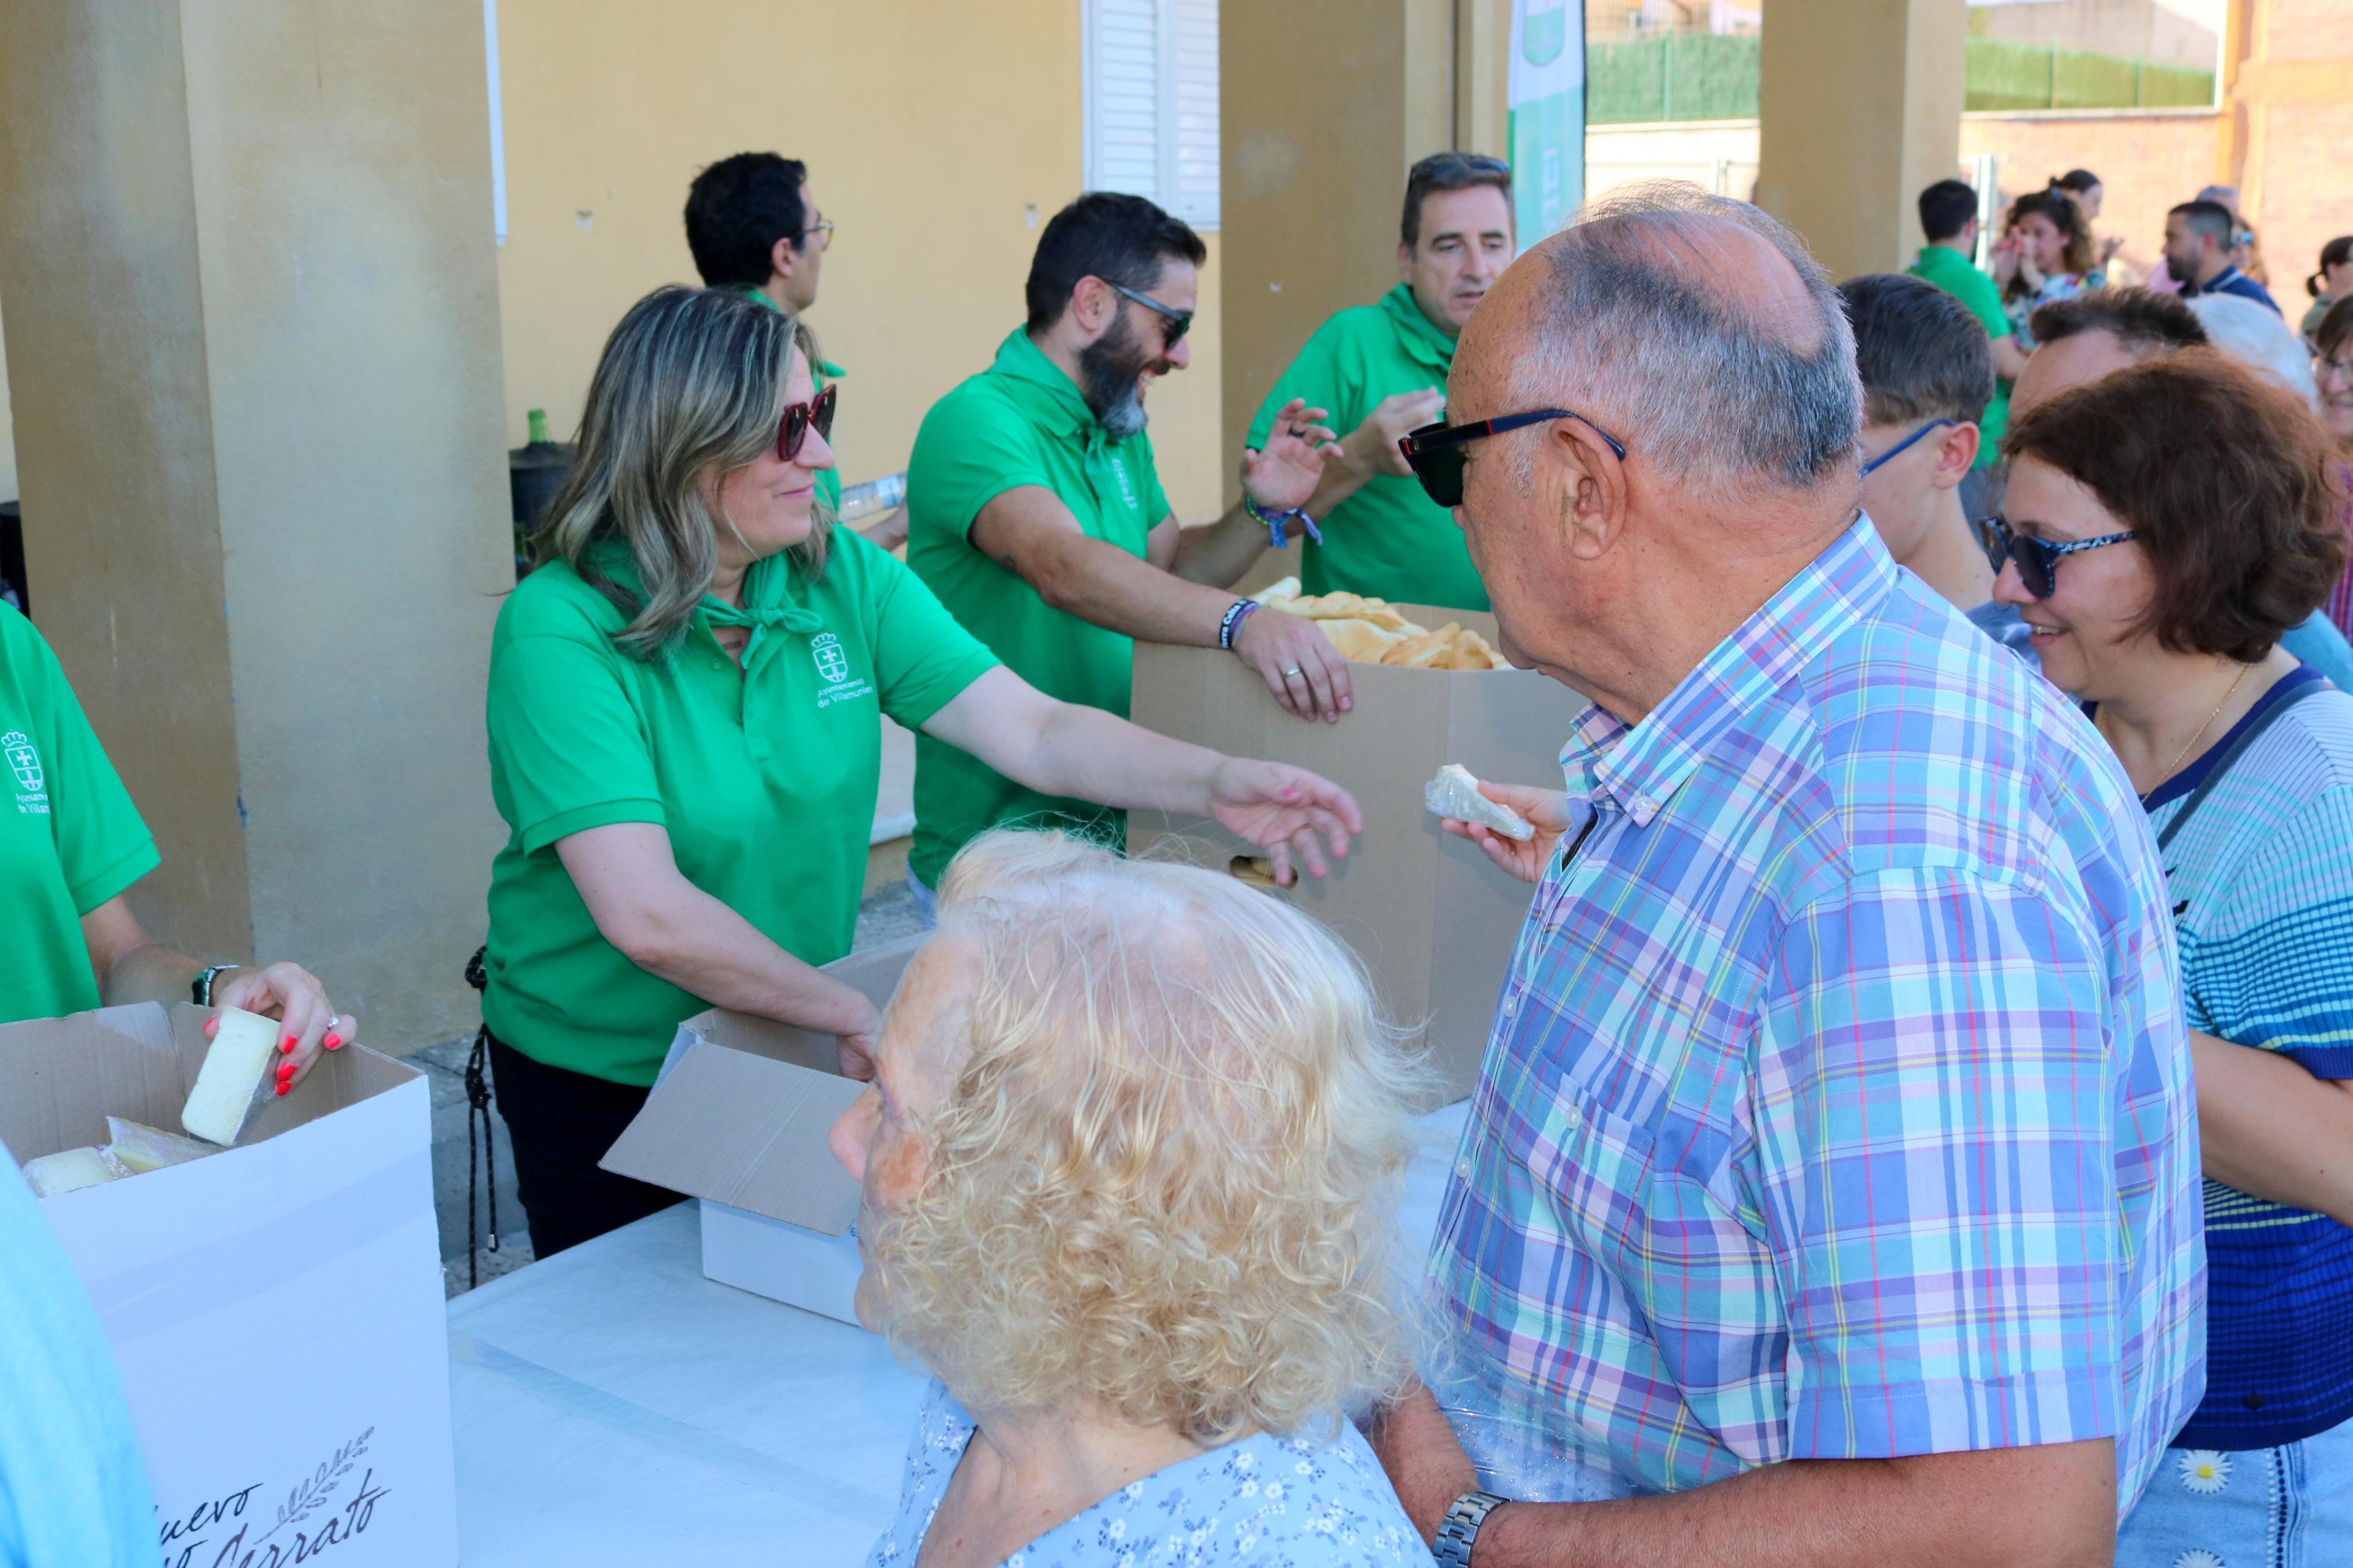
x=1381, y=370
x=1927, y=376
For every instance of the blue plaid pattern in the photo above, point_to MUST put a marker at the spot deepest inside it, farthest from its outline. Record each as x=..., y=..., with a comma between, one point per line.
x=1838, y=1104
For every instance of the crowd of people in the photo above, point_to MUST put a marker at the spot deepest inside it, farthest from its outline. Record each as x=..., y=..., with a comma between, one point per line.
x=1913, y=1124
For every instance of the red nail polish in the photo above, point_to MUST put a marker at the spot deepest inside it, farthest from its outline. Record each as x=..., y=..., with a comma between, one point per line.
x=286, y=1048
x=286, y=1069
x=282, y=1087
x=332, y=1041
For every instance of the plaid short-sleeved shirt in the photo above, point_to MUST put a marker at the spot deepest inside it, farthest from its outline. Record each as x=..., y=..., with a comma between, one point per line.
x=1838, y=1104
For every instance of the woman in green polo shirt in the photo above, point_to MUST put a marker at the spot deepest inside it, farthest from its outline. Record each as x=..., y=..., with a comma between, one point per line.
x=71, y=844
x=685, y=727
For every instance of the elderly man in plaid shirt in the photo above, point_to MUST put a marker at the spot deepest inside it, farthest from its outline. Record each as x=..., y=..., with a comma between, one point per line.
x=1830, y=1191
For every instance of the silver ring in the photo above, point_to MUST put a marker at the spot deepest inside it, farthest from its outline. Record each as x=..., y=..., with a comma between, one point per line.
x=1294, y=669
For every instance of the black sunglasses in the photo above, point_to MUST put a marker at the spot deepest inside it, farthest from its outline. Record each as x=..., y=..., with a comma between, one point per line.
x=799, y=419
x=1179, y=322
x=1435, y=452
x=2037, y=558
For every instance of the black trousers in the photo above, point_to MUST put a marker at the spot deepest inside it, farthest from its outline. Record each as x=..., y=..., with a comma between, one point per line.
x=561, y=1122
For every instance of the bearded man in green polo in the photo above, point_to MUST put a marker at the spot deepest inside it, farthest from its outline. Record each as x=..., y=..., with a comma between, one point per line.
x=1035, y=514
x=1381, y=370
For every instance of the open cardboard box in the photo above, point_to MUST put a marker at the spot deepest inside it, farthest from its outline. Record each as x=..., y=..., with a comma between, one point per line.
x=738, y=1118
x=275, y=1308
x=1433, y=918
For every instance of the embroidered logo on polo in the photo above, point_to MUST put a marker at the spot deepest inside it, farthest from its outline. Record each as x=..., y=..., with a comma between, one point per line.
x=833, y=663
x=24, y=761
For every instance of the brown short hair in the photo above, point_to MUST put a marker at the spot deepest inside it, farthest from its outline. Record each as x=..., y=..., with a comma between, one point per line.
x=2144, y=320
x=2225, y=477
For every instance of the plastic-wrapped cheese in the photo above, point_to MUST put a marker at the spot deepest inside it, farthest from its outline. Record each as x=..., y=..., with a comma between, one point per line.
x=139, y=1147
x=236, y=1073
x=1455, y=794
x=69, y=1170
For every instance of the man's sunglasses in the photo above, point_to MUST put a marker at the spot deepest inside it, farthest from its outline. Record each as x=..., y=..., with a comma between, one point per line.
x=1435, y=452
x=1179, y=322
x=2038, y=559
x=799, y=418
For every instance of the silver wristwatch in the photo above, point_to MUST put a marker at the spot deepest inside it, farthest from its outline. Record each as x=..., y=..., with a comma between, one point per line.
x=1460, y=1527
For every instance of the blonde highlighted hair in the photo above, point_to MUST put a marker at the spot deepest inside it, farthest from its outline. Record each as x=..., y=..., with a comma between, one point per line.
x=690, y=386
x=1163, y=1187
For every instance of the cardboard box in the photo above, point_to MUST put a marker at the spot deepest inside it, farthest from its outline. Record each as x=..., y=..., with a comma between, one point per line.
x=275, y=1308
x=738, y=1118
x=1433, y=918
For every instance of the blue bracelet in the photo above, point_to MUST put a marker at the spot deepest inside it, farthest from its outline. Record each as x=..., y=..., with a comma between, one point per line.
x=1235, y=614
x=1278, y=532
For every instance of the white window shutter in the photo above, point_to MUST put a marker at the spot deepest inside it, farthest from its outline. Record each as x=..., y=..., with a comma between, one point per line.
x=1152, y=103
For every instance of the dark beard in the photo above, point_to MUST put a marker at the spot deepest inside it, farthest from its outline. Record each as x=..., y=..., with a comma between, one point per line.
x=1109, y=369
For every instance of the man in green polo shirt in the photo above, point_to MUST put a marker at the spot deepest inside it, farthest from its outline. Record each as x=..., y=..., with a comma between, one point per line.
x=1948, y=218
x=1381, y=370
x=752, y=226
x=1036, y=515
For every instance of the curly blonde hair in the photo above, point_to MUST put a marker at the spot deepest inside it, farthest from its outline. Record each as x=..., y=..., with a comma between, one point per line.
x=1163, y=1187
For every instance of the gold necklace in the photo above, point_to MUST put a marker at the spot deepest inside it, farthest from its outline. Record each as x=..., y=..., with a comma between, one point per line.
x=2199, y=734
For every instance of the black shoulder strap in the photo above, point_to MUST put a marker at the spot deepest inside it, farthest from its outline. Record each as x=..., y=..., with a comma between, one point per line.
x=2215, y=774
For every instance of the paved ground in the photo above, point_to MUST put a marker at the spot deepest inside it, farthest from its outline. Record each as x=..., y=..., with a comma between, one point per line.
x=886, y=915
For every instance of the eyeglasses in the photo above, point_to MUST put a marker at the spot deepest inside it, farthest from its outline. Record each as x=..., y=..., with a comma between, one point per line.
x=1884, y=457
x=824, y=231
x=2038, y=559
x=799, y=418
x=2322, y=368
x=1435, y=452
x=1179, y=322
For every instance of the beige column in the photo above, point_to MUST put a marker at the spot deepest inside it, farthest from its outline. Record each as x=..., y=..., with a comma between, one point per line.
x=1324, y=106
x=246, y=261
x=1861, y=108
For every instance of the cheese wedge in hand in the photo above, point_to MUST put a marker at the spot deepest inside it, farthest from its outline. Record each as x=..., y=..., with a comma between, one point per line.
x=236, y=1073
x=70, y=1170
x=1455, y=794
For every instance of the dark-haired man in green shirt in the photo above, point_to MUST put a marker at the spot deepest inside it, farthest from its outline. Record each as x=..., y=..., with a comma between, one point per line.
x=1381, y=370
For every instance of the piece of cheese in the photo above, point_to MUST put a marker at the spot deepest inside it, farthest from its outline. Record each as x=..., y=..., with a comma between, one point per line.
x=236, y=1073
x=1455, y=794
x=139, y=1147
x=70, y=1170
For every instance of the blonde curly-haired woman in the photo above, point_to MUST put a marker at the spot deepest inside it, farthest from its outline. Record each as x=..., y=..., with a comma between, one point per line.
x=1131, y=1163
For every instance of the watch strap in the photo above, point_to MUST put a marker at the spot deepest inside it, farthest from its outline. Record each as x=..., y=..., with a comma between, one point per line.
x=200, y=989
x=1459, y=1531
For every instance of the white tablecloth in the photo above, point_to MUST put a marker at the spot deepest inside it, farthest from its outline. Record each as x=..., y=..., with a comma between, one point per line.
x=614, y=1406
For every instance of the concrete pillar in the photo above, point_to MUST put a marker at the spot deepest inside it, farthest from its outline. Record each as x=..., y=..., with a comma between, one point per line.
x=1324, y=104
x=246, y=260
x=1860, y=104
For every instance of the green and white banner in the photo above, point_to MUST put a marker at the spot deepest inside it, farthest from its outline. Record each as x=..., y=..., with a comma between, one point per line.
x=1546, y=92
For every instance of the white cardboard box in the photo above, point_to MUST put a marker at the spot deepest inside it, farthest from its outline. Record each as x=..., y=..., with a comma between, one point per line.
x=275, y=1309
x=738, y=1118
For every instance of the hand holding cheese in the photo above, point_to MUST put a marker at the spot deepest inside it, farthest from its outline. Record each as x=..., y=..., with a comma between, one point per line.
x=236, y=1073
x=1546, y=813
x=1455, y=794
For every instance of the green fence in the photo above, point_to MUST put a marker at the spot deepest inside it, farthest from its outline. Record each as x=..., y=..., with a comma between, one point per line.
x=1702, y=76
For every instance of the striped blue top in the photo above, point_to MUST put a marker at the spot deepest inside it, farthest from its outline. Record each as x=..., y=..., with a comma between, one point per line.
x=2262, y=880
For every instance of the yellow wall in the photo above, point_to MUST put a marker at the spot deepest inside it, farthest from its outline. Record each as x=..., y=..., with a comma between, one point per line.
x=939, y=137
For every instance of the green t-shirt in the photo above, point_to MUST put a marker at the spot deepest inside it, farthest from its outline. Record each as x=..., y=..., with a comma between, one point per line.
x=764, y=776
x=1954, y=273
x=69, y=838
x=1019, y=422
x=1389, y=539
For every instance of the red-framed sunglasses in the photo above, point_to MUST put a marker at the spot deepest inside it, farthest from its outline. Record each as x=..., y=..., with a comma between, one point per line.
x=798, y=418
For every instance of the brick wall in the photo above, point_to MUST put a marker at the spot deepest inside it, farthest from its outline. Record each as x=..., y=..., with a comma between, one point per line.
x=2146, y=163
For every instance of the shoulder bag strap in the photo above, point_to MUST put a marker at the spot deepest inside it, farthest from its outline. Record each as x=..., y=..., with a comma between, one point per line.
x=2222, y=767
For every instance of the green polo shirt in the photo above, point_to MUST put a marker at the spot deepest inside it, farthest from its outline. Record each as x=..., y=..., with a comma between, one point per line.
x=766, y=777
x=1019, y=422
x=1389, y=539
x=1954, y=273
x=69, y=838
x=828, y=480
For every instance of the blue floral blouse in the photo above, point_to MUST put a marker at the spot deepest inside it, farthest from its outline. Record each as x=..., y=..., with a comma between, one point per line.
x=1269, y=1502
